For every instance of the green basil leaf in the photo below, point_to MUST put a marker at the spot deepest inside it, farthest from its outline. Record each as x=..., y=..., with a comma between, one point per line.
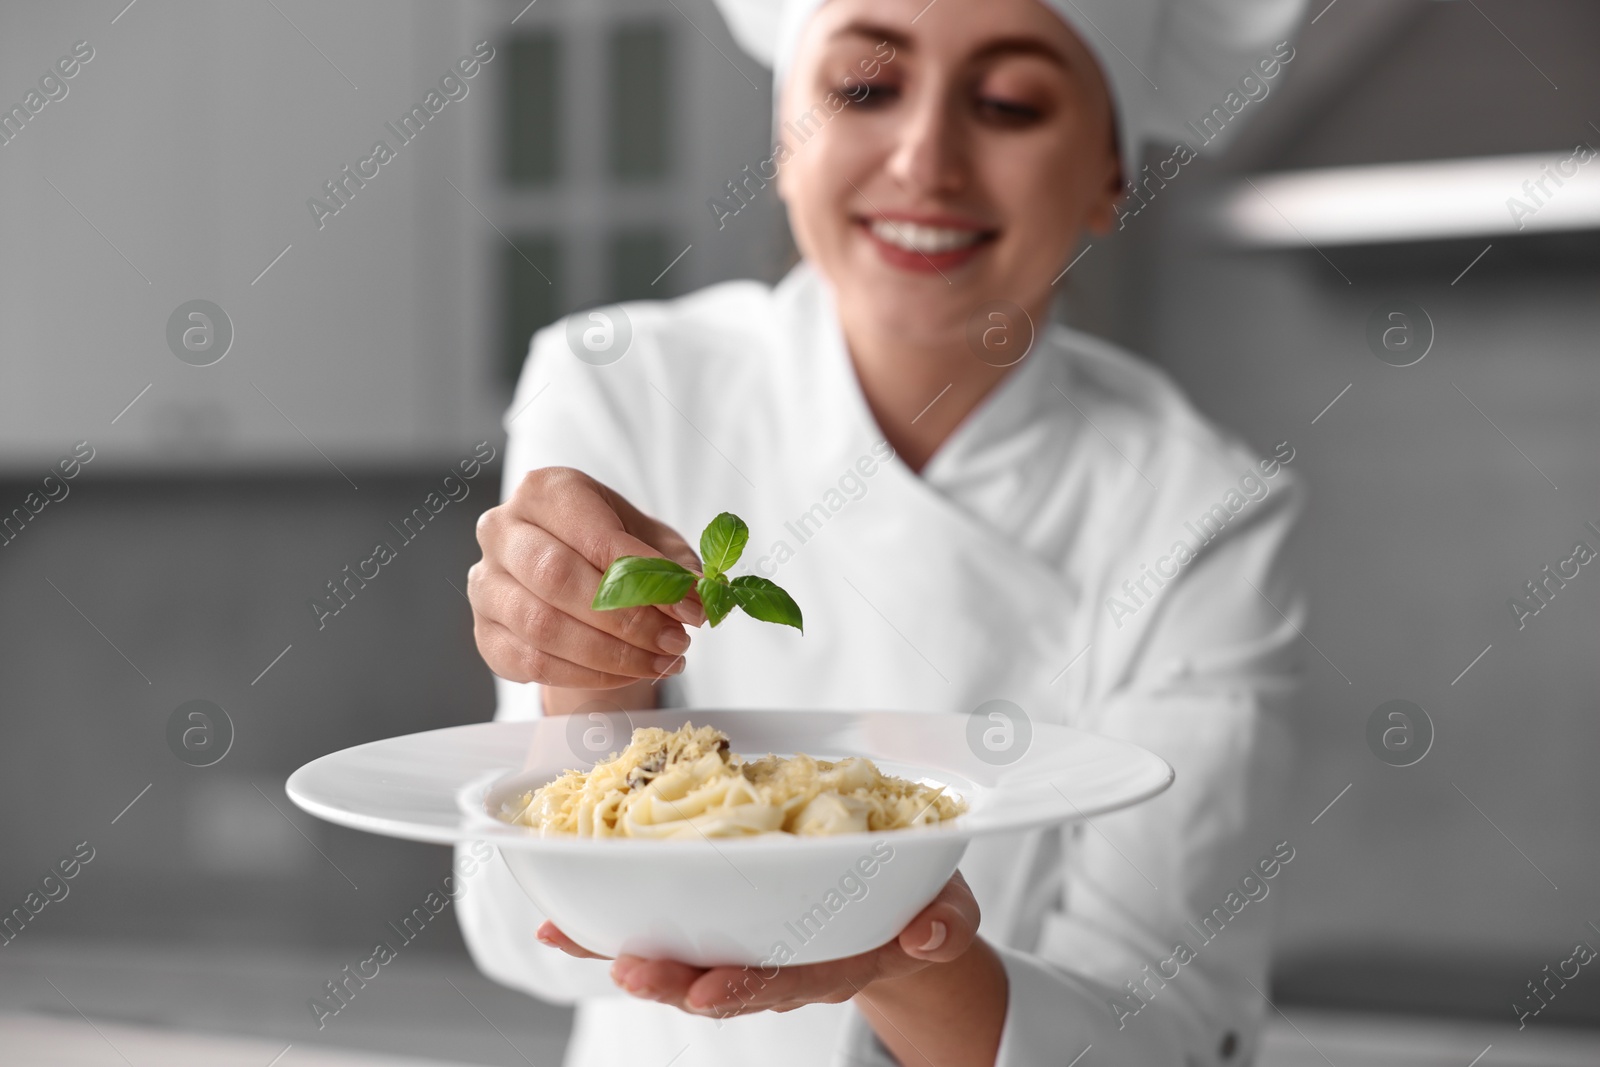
x=722, y=542
x=716, y=596
x=634, y=580
x=765, y=600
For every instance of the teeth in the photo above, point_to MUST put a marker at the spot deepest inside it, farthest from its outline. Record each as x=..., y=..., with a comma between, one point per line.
x=925, y=239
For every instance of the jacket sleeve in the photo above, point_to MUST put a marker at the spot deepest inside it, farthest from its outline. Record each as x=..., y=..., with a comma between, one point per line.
x=573, y=414
x=1151, y=941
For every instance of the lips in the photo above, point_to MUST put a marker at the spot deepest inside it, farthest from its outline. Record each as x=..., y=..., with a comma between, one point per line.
x=925, y=244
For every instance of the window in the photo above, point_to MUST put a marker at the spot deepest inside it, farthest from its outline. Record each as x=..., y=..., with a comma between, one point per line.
x=531, y=140
x=640, y=102
x=592, y=180
x=635, y=258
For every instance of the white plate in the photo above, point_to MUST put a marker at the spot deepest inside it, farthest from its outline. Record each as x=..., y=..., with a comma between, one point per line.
x=727, y=900
x=411, y=786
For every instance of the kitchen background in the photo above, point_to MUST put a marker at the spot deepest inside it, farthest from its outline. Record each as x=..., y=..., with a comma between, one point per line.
x=374, y=347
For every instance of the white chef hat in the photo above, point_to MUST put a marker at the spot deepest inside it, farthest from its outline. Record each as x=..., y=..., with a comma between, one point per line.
x=1168, y=63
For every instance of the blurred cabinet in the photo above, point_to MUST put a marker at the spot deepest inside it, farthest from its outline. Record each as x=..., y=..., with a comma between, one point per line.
x=187, y=161
x=185, y=164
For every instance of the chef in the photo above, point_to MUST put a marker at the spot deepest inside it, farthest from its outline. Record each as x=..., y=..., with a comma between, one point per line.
x=979, y=511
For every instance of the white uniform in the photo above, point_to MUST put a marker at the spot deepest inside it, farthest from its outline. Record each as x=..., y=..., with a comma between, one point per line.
x=998, y=572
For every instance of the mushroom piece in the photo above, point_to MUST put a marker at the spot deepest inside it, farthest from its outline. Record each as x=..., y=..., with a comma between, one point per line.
x=645, y=772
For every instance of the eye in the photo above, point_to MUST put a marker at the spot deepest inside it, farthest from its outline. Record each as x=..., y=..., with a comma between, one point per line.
x=866, y=94
x=1003, y=112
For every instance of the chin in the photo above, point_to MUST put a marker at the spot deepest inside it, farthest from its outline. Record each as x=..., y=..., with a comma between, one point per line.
x=910, y=310
x=908, y=304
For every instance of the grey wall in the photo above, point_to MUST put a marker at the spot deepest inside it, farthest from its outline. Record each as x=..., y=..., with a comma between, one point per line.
x=1424, y=521
x=197, y=585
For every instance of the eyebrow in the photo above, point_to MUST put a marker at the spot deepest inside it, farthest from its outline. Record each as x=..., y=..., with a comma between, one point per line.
x=1000, y=46
x=863, y=28
x=1022, y=46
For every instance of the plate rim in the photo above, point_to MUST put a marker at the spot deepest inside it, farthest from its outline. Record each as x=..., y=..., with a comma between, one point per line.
x=510, y=835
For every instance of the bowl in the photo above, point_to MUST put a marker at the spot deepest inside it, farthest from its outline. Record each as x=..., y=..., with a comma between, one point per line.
x=771, y=899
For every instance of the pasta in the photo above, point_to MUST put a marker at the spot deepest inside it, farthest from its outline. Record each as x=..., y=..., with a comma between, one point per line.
x=687, y=784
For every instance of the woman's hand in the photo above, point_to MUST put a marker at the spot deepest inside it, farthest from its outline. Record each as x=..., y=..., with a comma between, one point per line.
x=544, y=550
x=941, y=934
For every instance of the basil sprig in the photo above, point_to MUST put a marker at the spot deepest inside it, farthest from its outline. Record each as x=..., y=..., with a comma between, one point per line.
x=631, y=581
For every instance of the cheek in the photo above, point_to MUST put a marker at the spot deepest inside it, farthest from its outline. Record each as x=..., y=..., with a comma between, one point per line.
x=801, y=187
x=815, y=181
x=1040, y=194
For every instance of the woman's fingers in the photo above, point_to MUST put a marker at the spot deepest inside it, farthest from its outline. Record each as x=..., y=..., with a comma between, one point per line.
x=551, y=935
x=539, y=563
x=515, y=660
x=946, y=927
x=940, y=933
x=737, y=990
x=541, y=626
x=663, y=980
x=653, y=532
x=600, y=524
x=594, y=519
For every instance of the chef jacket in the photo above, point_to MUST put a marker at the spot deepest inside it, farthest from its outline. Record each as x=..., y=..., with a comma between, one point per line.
x=1084, y=545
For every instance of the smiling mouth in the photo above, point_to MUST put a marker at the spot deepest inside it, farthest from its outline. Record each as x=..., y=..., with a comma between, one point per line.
x=927, y=240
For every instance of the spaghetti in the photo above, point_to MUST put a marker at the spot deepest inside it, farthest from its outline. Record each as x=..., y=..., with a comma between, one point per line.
x=686, y=784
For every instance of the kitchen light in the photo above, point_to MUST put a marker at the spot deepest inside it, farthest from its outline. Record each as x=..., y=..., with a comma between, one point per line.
x=1538, y=192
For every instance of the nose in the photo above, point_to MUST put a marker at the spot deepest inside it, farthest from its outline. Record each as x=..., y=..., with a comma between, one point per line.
x=929, y=155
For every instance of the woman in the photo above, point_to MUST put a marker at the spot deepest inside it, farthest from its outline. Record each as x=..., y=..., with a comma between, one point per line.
x=960, y=526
